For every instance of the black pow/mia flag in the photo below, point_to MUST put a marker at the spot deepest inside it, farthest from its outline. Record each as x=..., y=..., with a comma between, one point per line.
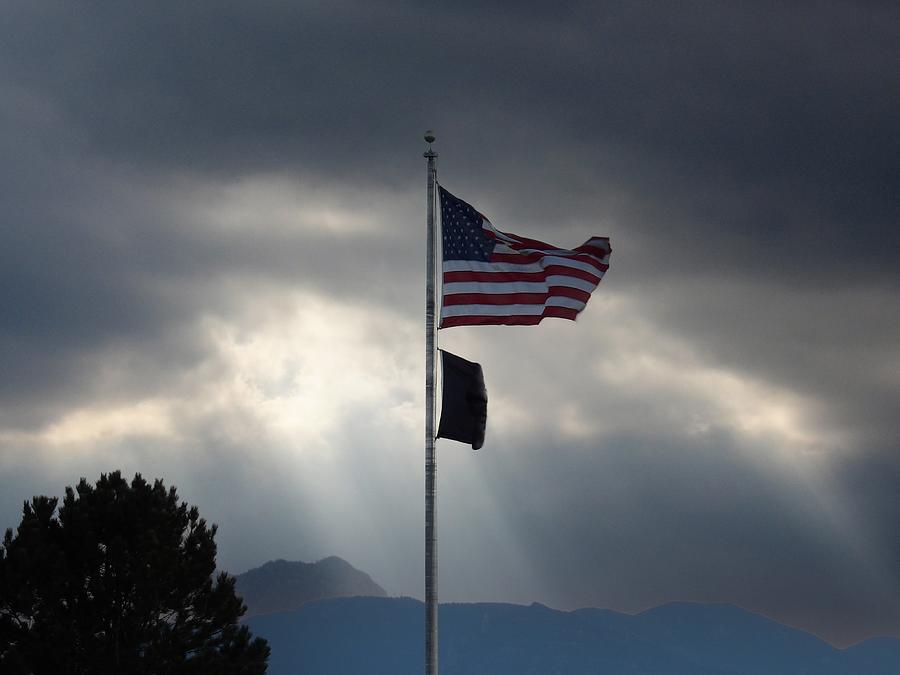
x=464, y=401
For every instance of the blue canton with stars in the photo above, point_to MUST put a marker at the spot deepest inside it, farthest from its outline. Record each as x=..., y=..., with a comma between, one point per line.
x=461, y=225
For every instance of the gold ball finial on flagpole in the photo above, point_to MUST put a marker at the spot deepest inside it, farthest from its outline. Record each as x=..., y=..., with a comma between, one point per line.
x=429, y=138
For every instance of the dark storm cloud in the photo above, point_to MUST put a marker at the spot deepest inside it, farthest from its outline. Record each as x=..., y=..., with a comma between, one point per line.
x=790, y=107
x=744, y=160
x=763, y=137
x=743, y=142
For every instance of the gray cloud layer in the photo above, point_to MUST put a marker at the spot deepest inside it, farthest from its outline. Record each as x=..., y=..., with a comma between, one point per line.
x=174, y=176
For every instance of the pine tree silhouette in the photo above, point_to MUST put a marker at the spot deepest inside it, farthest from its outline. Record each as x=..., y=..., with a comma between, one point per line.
x=119, y=580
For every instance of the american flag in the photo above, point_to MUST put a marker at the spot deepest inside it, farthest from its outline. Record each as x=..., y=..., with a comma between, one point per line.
x=491, y=277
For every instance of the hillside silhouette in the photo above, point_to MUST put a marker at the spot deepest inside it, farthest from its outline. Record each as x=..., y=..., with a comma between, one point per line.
x=282, y=585
x=347, y=636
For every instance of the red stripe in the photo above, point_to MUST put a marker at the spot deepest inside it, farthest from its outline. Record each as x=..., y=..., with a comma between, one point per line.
x=496, y=299
x=525, y=242
x=596, y=255
x=594, y=249
x=496, y=277
x=524, y=258
x=569, y=292
x=588, y=253
x=562, y=270
x=515, y=298
x=504, y=277
x=561, y=312
x=590, y=260
x=517, y=320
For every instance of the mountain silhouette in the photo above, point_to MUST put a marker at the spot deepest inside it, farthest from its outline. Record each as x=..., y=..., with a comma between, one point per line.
x=347, y=636
x=281, y=585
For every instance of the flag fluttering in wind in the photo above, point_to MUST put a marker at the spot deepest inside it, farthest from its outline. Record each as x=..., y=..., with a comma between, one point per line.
x=492, y=277
x=464, y=401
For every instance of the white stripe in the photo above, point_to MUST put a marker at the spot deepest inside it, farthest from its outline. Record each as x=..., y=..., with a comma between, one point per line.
x=503, y=248
x=484, y=266
x=502, y=287
x=487, y=225
x=571, y=282
x=510, y=310
x=454, y=287
x=490, y=310
x=554, y=251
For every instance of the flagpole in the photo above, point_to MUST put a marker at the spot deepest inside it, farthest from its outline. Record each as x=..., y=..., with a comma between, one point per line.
x=431, y=601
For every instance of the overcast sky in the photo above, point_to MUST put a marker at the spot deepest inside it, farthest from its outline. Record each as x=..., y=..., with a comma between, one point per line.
x=212, y=271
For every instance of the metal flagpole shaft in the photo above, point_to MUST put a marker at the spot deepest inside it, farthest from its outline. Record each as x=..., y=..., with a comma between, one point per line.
x=431, y=601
